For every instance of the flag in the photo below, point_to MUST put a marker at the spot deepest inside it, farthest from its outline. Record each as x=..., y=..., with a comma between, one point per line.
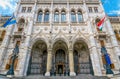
x=100, y=24
x=10, y=21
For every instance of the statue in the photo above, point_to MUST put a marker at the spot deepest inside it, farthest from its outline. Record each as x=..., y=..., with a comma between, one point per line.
x=13, y=57
x=107, y=60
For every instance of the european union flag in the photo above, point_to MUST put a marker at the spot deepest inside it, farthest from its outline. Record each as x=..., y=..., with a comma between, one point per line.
x=10, y=21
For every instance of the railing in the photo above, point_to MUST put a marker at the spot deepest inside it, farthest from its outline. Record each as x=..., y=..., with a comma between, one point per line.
x=26, y=1
x=21, y=25
x=101, y=34
x=18, y=34
x=92, y=1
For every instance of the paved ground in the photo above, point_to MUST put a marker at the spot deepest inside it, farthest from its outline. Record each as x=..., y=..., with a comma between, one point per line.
x=81, y=76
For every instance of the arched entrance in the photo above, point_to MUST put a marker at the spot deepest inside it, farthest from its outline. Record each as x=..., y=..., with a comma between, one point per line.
x=60, y=57
x=38, y=58
x=60, y=60
x=82, y=61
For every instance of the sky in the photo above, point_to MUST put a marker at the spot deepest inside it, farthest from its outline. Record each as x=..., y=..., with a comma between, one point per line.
x=111, y=7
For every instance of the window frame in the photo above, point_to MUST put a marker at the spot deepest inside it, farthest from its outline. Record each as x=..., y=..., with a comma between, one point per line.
x=23, y=9
x=29, y=9
x=63, y=16
x=56, y=16
x=39, y=17
x=46, y=16
x=80, y=16
x=90, y=10
x=96, y=9
x=73, y=17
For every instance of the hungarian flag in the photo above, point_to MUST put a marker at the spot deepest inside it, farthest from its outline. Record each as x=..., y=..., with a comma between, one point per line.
x=100, y=24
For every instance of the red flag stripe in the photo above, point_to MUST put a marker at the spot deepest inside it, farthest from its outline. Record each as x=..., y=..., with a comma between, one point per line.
x=100, y=22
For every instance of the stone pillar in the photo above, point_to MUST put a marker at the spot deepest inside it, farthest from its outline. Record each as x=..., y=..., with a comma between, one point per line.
x=5, y=44
x=43, y=17
x=25, y=51
x=71, y=63
x=95, y=58
x=49, y=61
x=115, y=46
x=68, y=13
x=76, y=13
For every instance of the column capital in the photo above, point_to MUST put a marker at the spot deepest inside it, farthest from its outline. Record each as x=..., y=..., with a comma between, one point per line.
x=70, y=49
x=49, y=49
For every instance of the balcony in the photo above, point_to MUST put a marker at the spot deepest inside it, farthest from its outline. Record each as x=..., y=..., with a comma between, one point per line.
x=18, y=34
x=101, y=35
x=27, y=1
x=92, y=1
x=21, y=25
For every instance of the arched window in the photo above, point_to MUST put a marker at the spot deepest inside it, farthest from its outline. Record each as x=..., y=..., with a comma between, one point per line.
x=80, y=17
x=46, y=17
x=21, y=24
x=63, y=16
x=40, y=16
x=73, y=16
x=56, y=16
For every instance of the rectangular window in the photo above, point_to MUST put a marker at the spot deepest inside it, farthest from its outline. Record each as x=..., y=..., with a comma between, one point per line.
x=90, y=9
x=23, y=9
x=29, y=9
x=96, y=9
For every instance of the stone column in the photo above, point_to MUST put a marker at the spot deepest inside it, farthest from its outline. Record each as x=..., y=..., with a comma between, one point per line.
x=5, y=43
x=49, y=61
x=94, y=57
x=71, y=63
x=76, y=13
x=115, y=46
x=25, y=51
x=43, y=17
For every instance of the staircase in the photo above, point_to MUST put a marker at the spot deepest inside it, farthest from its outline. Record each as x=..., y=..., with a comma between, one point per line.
x=81, y=76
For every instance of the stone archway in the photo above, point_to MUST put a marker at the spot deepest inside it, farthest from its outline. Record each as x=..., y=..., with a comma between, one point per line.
x=60, y=57
x=38, y=58
x=82, y=61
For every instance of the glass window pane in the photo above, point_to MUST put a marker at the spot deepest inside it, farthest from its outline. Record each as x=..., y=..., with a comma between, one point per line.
x=73, y=17
x=80, y=18
x=46, y=17
x=40, y=17
x=56, y=17
x=90, y=9
x=63, y=17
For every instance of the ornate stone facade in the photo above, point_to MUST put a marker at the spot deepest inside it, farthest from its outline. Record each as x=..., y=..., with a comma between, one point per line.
x=59, y=36
x=115, y=21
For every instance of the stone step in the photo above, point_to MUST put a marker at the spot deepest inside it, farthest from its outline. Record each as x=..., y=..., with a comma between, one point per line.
x=81, y=76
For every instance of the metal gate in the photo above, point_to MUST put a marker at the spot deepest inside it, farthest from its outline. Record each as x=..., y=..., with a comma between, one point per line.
x=37, y=64
x=82, y=64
